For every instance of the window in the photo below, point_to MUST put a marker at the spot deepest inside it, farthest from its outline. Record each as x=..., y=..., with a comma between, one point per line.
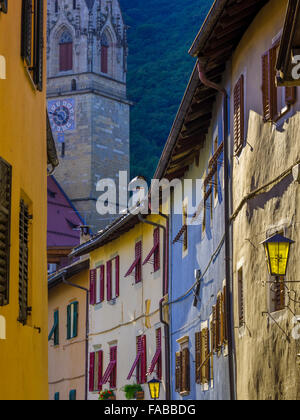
x=97, y=280
x=3, y=6
x=278, y=295
x=182, y=367
x=32, y=45
x=5, y=215
x=203, y=357
x=24, y=217
x=72, y=320
x=219, y=323
x=239, y=115
x=56, y=396
x=157, y=359
x=137, y=264
x=140, y=362
x=155, y=251
x=113, y=278
x=96, y=371
x=66, y=52
x=241, y=305
x=104, y=54
x=111, y=371
x=72, y=395
x=55, y=330
x=276, y=100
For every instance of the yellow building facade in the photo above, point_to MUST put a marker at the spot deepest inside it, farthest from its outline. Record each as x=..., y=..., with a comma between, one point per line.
x=23, y=202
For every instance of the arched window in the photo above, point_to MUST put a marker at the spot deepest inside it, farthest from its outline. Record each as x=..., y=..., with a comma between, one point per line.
x=66, y=52
x=104, y=54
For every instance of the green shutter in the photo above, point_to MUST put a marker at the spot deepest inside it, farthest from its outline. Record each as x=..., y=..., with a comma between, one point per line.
x=55, y=330
x=69, y=322
x=56, y=396
x=72, y=396
x=75, y=320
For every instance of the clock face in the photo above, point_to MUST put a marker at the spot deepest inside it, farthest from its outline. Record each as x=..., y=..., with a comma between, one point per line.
x=62, y=115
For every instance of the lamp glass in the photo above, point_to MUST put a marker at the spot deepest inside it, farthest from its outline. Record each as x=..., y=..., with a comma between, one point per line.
x=154, y=388
x=277, y=250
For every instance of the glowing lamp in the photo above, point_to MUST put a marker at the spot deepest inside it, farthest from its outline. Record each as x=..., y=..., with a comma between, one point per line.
x=154, y=388
x=277, y=250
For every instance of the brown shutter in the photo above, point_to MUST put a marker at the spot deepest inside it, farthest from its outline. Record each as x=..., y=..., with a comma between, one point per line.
x=198, y=357
x=214, y=329
x=239, y=115
x=186, y=370
x=26, y=42
x=39, y=44
x=221, y=321
x=290, y=95
x=23, y=263
x=5, y=215
x=269, y=90
x=205, y=334
x=225, y=315
x=218, y=325
x=178, y=372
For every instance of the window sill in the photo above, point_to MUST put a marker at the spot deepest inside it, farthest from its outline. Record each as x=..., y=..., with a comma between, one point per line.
x=184, y=393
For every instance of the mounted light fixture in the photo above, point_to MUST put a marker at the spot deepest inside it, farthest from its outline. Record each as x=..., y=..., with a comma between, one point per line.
x=154, y=388
x=3, y=6
x=277, y=250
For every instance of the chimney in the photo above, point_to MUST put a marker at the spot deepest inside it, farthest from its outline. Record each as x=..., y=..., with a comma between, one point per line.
x=85, y=234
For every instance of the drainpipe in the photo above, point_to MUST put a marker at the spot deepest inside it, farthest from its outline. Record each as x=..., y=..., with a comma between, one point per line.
x=87, y=329
x=203, y=78
x=164, y=292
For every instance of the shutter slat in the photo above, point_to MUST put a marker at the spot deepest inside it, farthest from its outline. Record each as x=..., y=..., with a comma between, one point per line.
x=92, y=372
x=109, y=280
x=93, y=276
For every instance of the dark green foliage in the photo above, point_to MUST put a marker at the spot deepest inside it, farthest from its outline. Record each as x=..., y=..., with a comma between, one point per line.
x=160, y=35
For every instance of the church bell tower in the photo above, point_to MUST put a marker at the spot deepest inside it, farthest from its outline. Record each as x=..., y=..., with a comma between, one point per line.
x=87, y=101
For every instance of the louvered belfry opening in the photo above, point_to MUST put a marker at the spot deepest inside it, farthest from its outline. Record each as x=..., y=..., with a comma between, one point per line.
x=24, y=310
x=5, y=212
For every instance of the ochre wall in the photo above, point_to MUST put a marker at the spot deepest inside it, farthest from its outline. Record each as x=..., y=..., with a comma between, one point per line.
x=266, y=362
x=67, y=360
x=23, y=355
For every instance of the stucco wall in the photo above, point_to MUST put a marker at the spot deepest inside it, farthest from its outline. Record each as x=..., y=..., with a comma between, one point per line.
x=67, y=360
x=122, y=322
x=266, y=362
x=23, y=355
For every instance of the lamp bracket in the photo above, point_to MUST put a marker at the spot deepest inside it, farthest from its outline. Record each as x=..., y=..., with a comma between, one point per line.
x=270, y=316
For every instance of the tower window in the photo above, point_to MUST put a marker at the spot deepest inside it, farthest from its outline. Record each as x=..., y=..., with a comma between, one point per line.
x=66, y=52
x=104, y=54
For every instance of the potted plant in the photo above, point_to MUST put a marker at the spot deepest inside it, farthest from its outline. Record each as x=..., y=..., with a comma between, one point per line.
x=133, y=392
x=107, y=395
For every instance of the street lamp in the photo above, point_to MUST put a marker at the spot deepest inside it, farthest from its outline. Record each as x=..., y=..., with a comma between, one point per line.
x=277, y=250
x=154, y=388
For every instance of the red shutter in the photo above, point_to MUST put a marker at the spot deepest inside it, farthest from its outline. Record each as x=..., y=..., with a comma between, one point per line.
x=102, y=283
x=138, y=268
x=108, y=273
x=144, y=360
x=118, y=276
x=290, y=95
x=92, y=369
x=158, y=348
x=93, y=276
x=113, y=376
x=104, y=59
x=156, y=238
x=269, y=89
x=100, y=369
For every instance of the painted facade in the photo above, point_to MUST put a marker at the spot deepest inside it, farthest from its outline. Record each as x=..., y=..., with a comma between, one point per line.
x=67, y=331
x=127, y=338
x=87, y=101
x=23, y=197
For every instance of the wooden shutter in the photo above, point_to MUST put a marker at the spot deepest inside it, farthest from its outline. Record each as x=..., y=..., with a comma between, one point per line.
x=138, y=268
x=39, y=44
x=218, y=324
x=26, y=43
x=158, y=347
x=56, y=331
x=178, y=372
x=92, y=373
x=239, y=115
x=24, y=310
x=221, y=321
x=198, y=357
x=290, y=95
x=75, y=320
x=69, y=322
x=100, y=370
x=93, y=276
x=56, y=396
x=109, y=280
x=225, y=325
x=156, y=238
x=5, y=215
x=186, y=370
x=279, y=294
x=269, y=90
x=214, y=330
x=72, y=396
x=113, y=376
x=117, y=276
x=206, y=358
x=144, y=360
x=102, y=282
